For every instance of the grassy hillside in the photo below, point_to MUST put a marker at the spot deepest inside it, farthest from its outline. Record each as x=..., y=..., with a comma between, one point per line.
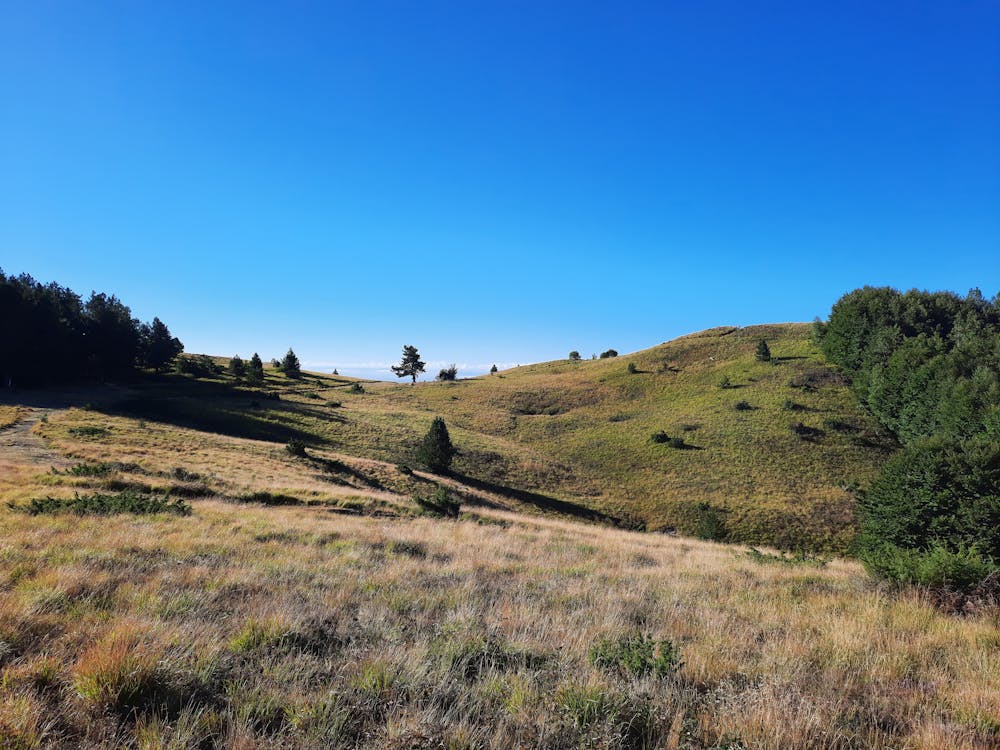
x=772, y=458
x=243, y=626
x=304, y=601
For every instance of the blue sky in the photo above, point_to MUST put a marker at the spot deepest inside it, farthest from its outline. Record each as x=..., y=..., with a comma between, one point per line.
x=495, y=181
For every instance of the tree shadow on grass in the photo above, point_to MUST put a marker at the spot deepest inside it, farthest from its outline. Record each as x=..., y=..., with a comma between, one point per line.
x=543, y=502
x=218, y=408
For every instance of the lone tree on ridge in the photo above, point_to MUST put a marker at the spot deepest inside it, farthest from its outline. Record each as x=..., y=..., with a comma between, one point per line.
x=410, y=366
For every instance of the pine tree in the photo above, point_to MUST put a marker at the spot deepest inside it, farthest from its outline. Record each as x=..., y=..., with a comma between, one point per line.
x=410, y=366
x=493, y=370
x=236, y=367
x=763, y=352
x=436, y=450
x=255, y=373
x=290, y=365
x=158, y=347
x=574, y=356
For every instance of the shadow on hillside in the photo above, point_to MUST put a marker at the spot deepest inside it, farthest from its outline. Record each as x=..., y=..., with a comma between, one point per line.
x=219, y=408
x=542, y=502
x=333, y=466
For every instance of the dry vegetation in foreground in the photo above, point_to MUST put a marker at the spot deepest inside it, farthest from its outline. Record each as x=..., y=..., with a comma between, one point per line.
x=249, y=626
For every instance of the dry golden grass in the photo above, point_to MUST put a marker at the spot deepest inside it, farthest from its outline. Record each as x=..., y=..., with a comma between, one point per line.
x=10, y=415
x=248, y=626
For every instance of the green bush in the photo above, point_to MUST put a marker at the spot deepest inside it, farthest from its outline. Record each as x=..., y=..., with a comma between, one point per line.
x=442, y=504
x=608, y=354
x=635, y=656
x=296, y=448
x=937, y=567
x=436, y=450
x=935, y=497
x=659, y=437
x=102, y=504
x=632, y=369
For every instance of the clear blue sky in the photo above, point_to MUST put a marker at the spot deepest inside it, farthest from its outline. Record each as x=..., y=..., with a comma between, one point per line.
x=495, y=181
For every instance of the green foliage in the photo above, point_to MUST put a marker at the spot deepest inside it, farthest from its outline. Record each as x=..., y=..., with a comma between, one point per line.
x=636, y=656
x=442, y=504
x=237, y=368
x=743, y=406
x=255, y=372
x=356, y=388
x=938, y=567
x=296, y=448
x=88, y=431
x=940, y=491
x=574, y=356
x=660, y=437
x=493, y=370
x=763, y=353
x=410, y=365
x=201, y=366
x=104, y=505
x=725, y=382
x=157, y=347
x=436, y=450
x=709, y=522
x=448, y=373
x=290, y=365
x=632, y=369
x=609, y=353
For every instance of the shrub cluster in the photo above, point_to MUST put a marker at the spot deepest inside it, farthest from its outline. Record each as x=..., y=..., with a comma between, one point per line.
x=927, y=366
x=102, y=504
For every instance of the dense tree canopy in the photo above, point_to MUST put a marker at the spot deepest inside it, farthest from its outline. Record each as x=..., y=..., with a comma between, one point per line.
x=927, y=366
x=410, y=365
x=49, y=335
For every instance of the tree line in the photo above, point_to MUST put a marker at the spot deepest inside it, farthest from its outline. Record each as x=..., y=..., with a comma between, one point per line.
x=49, y=334
x=927, y=367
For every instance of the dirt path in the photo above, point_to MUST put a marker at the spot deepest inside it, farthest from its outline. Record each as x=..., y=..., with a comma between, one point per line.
x=20, y=445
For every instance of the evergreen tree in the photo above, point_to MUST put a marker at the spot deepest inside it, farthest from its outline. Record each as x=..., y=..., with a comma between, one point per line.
x=290, y=365
x=255, y=373
x=236, y=367
x=763, y=352
x=574, y=356
x=410, y=366
x=493, y=370
x=159, y=348
x=436, y=450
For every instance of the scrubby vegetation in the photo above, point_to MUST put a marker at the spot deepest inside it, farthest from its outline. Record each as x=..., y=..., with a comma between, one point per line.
x=927, y=366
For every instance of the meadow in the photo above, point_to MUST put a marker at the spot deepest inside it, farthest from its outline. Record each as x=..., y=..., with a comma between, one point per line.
x=244, y=625
x=173, y=576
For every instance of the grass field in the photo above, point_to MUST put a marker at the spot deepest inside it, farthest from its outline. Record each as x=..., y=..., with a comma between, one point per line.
x=251, y=626
x=215, y=590
x=774, y=458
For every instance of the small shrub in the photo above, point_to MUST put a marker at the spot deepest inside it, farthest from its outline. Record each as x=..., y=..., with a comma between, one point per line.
x=436, y=450
x=404, y=469
x=632, y=369
x=725, y=382
x=89, y=431
x=937, y=568
x=89, y=470
x=100, y=504
x=806, y=432
x=442, y=504
x=333, y=404
x=296, y=448
x=763, y=353
x=635, y=656
x=659, y=437
x=608, y=354
x=744, y=406
x=789, y=405
x=709, y=522
x=448, y=373
x=356, y=388
x=677, y=443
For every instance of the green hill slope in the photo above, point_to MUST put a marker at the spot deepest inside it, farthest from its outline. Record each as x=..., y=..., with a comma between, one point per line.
x=772, y=458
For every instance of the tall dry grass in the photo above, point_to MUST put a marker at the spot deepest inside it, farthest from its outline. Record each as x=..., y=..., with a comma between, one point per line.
x=246, y=626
